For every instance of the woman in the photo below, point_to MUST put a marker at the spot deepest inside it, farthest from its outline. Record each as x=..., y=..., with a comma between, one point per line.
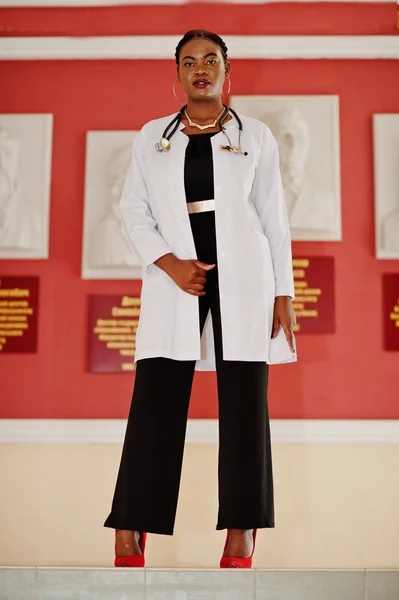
x=207, y=217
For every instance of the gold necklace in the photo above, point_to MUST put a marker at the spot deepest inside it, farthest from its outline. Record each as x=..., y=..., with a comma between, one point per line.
x=202, y=127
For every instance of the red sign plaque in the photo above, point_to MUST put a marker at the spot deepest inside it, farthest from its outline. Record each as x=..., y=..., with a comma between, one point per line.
x=113, y=323
x=314, y=302
x=390, y=285
x=19, y=304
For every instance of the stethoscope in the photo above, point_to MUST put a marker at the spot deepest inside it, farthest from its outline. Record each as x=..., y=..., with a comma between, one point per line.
x=164, y=143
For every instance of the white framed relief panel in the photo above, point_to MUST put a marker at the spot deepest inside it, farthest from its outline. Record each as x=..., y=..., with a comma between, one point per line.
x=107, y=251
x=25, y=173
x=307, y=132
x=386, y=185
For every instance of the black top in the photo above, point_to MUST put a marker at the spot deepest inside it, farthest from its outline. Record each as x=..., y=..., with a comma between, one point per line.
x=199, y=185
x=198, y=168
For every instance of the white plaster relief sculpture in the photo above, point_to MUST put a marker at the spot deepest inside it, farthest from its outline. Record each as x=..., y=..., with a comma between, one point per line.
x=25, y=146
x=109, y=244
x=19, y=226
x=390, y=233
x=386, y=184
x=309, y=206
x=306, y=129
x=107, y=250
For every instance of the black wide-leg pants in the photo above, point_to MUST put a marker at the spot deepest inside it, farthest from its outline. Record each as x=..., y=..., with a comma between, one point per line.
x=149, y=476
x=148, y=482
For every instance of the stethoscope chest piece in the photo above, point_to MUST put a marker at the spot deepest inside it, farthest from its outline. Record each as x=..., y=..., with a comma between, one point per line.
x=234, y=149
x=162, y=145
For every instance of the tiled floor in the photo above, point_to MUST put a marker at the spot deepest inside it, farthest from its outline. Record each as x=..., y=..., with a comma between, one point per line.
x=19, y=583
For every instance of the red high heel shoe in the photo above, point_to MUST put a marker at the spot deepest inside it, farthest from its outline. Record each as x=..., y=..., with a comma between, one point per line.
x=232, y=562
x=137, y=560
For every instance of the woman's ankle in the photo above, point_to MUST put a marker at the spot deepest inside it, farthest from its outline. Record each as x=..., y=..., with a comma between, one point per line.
x=127, y=543
x=239, y=543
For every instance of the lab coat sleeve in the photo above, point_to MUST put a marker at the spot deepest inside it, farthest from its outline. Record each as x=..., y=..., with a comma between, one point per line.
x=136, y=211
x=268, y=198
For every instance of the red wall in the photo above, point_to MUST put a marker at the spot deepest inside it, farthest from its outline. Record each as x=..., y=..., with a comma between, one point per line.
x=267, y=19
x=347, y=375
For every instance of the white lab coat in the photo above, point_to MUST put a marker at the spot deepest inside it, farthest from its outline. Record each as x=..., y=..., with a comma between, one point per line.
x=253, y=242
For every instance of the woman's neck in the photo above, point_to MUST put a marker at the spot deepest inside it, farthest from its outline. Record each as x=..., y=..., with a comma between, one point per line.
x=202, y=112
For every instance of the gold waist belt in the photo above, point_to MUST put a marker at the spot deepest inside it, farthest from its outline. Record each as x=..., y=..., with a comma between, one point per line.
x=201, y=206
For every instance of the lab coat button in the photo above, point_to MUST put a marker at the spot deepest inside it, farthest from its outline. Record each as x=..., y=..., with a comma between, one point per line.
x=218, y=188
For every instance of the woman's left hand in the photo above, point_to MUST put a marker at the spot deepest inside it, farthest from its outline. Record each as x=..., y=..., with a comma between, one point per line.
x=284, y=315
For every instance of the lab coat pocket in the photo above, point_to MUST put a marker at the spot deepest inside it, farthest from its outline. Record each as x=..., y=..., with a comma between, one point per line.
x=279, y=351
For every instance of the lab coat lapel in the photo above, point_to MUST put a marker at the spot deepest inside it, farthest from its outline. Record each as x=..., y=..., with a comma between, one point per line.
x=176, y=156
x=221, y=171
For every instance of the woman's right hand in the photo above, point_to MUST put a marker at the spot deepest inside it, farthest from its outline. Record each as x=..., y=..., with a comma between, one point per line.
x=189, y=275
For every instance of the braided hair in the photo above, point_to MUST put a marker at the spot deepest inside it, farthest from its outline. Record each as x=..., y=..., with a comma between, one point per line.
x=201, y=33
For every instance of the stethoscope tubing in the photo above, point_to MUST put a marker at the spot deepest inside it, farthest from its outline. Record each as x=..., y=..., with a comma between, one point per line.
x=173, y=126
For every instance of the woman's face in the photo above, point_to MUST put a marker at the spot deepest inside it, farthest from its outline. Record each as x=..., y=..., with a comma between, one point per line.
x=202, y=70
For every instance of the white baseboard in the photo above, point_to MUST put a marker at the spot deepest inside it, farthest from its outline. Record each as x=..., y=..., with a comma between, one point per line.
x=200, y=431
x=163, y=47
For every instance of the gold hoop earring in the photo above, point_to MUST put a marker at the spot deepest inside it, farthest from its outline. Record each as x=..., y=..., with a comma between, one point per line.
x=228, y=91
x=174, y=92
